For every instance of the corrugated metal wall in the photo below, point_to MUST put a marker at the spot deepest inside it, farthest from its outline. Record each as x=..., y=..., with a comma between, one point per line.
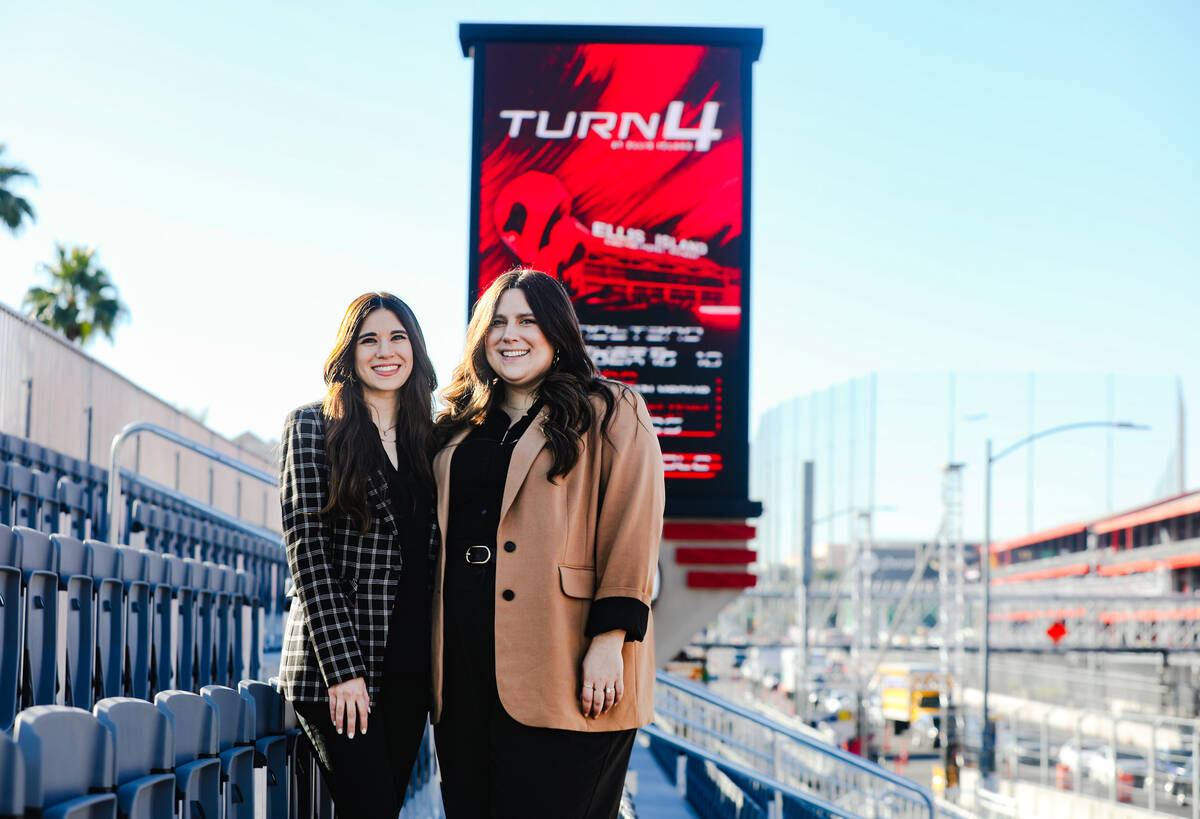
x=52, y=384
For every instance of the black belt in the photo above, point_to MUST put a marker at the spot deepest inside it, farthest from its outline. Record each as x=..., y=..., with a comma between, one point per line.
x=478, y=555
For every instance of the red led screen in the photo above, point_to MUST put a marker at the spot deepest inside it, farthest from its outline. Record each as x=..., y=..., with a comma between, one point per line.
x=619, y=168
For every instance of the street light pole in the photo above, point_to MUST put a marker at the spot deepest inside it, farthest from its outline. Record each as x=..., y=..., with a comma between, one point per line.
x=987, y=756
x=987, y=759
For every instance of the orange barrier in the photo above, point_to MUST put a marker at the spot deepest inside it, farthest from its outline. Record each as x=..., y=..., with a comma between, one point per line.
x=1124, y=787
x=1062, y=777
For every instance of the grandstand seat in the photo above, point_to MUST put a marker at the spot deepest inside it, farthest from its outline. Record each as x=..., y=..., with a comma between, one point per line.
x=72, y=502
x=204, y=620
x=68, y=763
x=75, y=577
x=197, y=768
x=235, y=730
x=144, y=751
x=12, y=616
x=12, y=778
x=158, y=575
x=143, y=517
x=39, y=575
x=183, y=586
x=45, y=488
x=247, y=608
x=225, y=583
x=110, y=619
x=20, y=483
x=271, y=744
x=137, y=622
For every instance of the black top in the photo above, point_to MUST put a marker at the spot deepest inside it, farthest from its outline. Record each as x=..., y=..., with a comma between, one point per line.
x=478, y=471
x=408, y=631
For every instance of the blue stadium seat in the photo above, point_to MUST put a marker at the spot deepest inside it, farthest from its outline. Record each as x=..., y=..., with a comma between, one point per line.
x=75, y=577
x=110, y=619
x=235, y=729
x=197, y=768
x=6, y=496
x=143, y=517
x=39, y=574
x=205, y=612
x=248, y=613
x=184, y=583
x=137, y=622
x=158, y=575
x=68, y=763
x=145, y=755
x=271, y=744
x=45, y=488
x=20, y=483
x=73, y=502
x=224, y=583
x=12, y=615
x=12, y=778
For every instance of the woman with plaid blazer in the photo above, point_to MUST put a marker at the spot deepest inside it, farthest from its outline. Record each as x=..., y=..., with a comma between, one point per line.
x=356, y=490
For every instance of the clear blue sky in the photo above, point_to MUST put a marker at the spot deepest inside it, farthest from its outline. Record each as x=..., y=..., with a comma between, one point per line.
x=988, y=188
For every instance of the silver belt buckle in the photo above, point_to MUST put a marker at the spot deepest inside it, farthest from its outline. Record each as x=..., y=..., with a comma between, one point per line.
x=474, y=551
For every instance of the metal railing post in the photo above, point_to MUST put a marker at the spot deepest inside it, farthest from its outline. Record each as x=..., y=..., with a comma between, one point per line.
x=1112, y=785
x=1152, y=764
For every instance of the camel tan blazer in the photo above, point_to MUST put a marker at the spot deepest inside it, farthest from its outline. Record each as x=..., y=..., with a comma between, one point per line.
x=592, y=534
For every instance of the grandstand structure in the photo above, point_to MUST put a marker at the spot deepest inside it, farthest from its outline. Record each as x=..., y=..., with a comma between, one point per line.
x=1123, y=582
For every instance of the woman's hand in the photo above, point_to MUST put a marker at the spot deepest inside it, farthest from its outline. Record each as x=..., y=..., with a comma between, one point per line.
x=603, y=674
x=349, y=705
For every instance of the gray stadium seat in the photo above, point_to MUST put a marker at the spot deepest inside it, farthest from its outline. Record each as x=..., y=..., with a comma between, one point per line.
x=75, y=577
x=145, y=754
x=271, y=744
x=73, y=502
x=20, y=483
x=137, y=622
x=45, y=488
x=184, y=583
x=247, y=608
x=12, y=615
x=110, y=619
x=158, y=575
x=225, y=586
x=235, y=729
x=39, y=574
x=197, y=768
x=205, y=611
x=12, y=778
x=68, y=763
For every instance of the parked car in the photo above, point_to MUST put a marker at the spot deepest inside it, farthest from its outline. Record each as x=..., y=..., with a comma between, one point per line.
x=1102, y=766
x=1172, y=761
x=1179, y=784
x=1073, y=755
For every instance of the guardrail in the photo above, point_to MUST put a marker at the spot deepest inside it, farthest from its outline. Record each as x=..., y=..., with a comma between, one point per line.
x=114, y=473
x=849, y=784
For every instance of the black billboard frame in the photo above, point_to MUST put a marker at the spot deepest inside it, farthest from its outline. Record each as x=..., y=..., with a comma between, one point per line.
x=473, y=36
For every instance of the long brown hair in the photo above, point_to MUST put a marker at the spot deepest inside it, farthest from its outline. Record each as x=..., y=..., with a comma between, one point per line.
x=566, y=389
x=351, y=437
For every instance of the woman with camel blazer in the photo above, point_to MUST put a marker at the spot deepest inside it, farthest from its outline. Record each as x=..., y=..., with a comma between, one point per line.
x=550, y=501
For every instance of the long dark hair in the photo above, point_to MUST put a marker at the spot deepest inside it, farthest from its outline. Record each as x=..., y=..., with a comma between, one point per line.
x=351, y=437
x=566, y=389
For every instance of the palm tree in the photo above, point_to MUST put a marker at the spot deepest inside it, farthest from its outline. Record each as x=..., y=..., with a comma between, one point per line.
x=81, y=299
x=13, y=209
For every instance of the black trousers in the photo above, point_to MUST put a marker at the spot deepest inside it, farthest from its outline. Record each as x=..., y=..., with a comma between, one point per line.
x=493, y=767
x=368, y=775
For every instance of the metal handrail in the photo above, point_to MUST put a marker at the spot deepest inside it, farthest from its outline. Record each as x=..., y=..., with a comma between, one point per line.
x=728, y=765
x=114, y=473
x=701, y=693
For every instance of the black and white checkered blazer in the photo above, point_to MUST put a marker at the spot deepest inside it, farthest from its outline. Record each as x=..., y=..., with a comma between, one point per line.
x=344, y=580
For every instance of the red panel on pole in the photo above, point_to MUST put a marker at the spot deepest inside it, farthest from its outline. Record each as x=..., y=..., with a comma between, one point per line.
x=707, y=531
x=689, y=555
x=720, y=580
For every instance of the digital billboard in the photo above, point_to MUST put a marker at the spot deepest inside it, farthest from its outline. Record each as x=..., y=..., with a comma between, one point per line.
x=617, y=160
